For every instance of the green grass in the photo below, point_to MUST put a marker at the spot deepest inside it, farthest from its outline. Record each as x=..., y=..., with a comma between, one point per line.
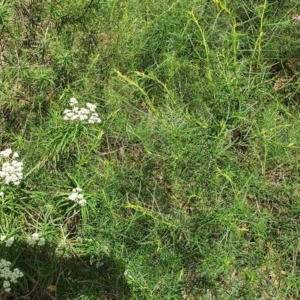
x=191, y=179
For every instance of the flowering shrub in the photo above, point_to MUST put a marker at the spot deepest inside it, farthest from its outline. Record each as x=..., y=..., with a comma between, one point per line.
x=77, y=196
x=12, y=169
x=7, y=275
x=87, y=113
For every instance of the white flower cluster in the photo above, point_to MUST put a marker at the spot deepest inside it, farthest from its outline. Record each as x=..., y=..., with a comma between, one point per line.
x=87, y=113
x=35, y=239
x=8, y=241
x=8, y=275
x=77, y=196
x=12, y=169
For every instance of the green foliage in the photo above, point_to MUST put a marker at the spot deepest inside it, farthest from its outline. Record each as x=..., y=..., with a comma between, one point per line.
x=192, y=178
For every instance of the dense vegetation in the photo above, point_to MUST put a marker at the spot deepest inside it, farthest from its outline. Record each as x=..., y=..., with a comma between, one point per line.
x=191, y=180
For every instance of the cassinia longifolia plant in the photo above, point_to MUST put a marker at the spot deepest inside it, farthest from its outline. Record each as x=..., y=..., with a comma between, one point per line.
x=11, y=173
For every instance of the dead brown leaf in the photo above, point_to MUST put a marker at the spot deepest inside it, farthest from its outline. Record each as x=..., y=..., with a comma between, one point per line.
x=279, y=83
x=52, y=288
x=296, y=18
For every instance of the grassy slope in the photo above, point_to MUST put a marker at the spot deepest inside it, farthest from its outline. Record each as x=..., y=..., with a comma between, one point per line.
x=192, y=179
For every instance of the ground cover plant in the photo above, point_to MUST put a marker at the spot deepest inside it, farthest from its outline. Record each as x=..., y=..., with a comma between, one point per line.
x=149, y=149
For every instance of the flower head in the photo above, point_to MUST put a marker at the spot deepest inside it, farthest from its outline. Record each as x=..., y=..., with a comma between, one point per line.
x=9, y=276
x=77, y=113
x=6, y=153
x=9, y=241
x=12, y=169
x=35, y=239
x=77, y=196
x=73, y=101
